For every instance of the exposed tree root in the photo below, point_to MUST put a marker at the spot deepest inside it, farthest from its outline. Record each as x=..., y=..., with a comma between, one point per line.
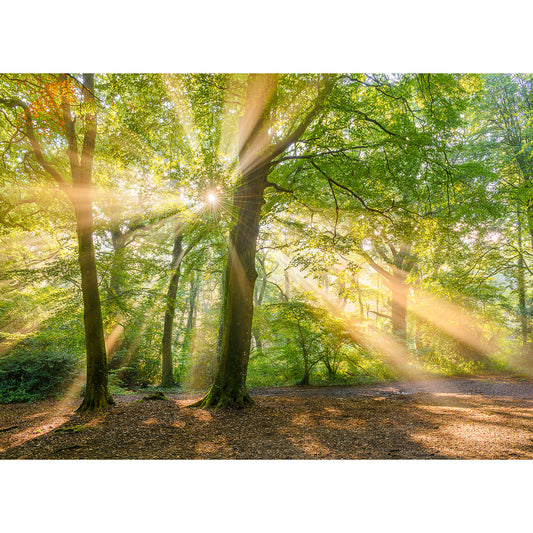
x=95, y=404
x=229, y=398
x=155, y=396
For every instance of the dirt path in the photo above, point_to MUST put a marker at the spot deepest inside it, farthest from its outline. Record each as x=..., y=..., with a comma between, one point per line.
x=486, y=417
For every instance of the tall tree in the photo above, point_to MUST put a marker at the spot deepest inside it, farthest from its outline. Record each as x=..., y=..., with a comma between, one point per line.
x=256, y=155
x=60, y=93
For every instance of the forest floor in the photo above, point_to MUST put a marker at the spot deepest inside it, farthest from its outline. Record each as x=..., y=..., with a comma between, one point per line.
x=475, y=417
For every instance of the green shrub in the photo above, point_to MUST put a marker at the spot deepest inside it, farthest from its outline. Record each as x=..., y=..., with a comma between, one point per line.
x=32, y=372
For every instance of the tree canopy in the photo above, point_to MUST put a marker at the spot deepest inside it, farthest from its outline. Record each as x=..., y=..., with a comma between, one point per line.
x=222, y=231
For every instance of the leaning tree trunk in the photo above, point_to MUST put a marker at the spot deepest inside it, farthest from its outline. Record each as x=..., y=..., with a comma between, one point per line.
x=167, y=377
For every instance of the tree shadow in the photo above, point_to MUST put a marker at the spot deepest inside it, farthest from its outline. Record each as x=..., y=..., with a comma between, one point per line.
x=378, y=426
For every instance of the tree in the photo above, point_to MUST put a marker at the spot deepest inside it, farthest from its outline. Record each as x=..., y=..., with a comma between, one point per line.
x=256, y=155
x=60, y=94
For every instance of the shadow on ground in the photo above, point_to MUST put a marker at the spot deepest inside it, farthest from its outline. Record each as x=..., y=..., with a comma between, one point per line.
x=444, y=419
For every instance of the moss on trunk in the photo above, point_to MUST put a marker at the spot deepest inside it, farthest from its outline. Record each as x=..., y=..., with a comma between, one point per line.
x=236, y=397
x=167, y=375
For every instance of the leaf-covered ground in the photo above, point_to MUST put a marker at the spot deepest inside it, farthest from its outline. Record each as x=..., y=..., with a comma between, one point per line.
x=485, y=417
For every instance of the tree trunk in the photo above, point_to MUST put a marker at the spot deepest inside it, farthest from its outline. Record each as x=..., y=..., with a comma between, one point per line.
x=255, y=158
x=527, y=175
x=307, y=369
x=193, y=293
x=399, y=305
x=256, y=332
x=287, y=285
x=360, y=298
x=96, y=393
x=304, y=382
x=194, y=287
x=167, y=377
x=222, y=315
x=520, y=277
x=258, y=343
x=229, y=388
x=117, y=264
x=79, y=193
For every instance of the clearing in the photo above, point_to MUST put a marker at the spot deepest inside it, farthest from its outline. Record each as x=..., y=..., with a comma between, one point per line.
x=475, y=417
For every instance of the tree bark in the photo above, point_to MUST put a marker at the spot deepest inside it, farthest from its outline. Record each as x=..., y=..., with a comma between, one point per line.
x=229, y=388
x=79, y=193
x=521, y=288
x=256, y=331
x=360, y=298
x=287, y=281
x=96, y=392
x=167, y=377
x=527, y=175
x=399, y=305
x=194, y=287
x=256, y=155
x=117, y=263
x=305, y=378
x=402, y=263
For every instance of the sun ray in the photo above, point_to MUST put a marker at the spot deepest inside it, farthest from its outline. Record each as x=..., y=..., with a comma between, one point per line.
x=394, y=351
x=177, y=92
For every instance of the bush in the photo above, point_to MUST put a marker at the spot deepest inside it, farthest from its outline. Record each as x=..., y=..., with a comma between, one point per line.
x=31, y=373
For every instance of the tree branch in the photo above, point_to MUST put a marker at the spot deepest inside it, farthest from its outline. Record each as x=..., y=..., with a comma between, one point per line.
x=89, y=139
x=281, y=146
x=35, y=145
x=277, y=187
x=349, y=191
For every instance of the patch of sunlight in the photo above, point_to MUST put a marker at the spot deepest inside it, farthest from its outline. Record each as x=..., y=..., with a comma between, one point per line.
x=310, y=446
x=302, y=420
x=51, y=423
x=72, y=394
x=202, y=415
x=212, y=446
x=332, y=411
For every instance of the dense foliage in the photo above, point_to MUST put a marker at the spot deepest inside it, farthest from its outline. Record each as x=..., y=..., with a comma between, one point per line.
x=395, y=237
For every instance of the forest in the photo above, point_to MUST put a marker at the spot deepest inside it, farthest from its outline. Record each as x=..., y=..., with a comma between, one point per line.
x=216, y=235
